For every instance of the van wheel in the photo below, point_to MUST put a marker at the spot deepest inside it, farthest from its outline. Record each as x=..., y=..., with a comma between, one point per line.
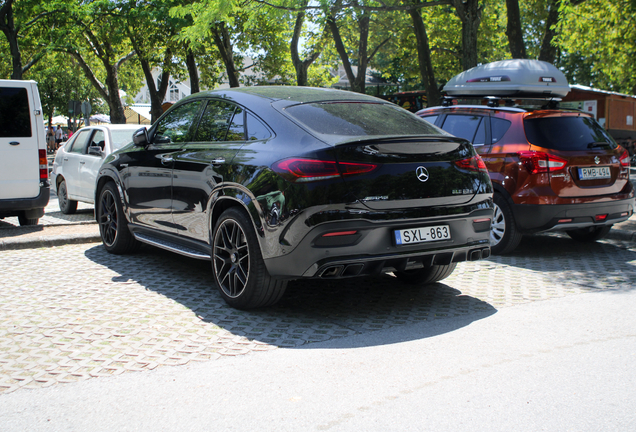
x=504, y=235
x=238, y=266
x=67, y=206
x=113, y=226
x=25, y=221
x=590, y=234
x=425, y=276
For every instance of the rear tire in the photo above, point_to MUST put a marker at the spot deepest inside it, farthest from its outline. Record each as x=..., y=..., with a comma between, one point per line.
x=590, y=234
x=425, y=276
x=113, y=226
x=25, y=221
x=504, y=235
x=67, y=206
x=237, y=264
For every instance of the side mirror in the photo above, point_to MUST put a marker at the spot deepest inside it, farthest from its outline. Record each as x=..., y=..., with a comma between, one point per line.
x=95, y=151
x=140, y=137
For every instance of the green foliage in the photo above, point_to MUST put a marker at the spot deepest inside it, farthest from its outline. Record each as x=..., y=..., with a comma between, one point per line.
x=599, y=37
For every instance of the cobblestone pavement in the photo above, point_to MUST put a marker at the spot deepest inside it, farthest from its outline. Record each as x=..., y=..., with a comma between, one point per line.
x=75, y=312
x=53, y=215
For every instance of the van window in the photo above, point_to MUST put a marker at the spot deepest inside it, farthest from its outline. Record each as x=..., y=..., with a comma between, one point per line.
x=15, y=118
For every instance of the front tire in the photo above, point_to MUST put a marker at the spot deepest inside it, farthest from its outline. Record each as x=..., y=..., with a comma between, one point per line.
x=67, y=206
x=238, y=266
x=504, y=234
x=590, y=234
x=113, y=226
x=425, y=276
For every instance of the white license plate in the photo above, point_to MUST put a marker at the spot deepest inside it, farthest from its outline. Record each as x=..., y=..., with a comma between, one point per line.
x=594, y=173
x=423, y=234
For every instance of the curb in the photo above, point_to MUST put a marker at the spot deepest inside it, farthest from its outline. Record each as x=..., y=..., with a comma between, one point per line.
x=48, y=241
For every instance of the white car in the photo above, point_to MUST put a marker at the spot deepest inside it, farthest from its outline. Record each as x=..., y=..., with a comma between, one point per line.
x=77, y=162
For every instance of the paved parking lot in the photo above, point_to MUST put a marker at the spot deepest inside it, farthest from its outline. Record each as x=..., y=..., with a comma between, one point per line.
x=75, y=312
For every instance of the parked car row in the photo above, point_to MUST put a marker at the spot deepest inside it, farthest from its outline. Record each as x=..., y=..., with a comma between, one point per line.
x=272, y=184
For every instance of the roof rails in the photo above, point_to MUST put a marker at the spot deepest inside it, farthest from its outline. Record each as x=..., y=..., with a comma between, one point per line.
x=494, y=101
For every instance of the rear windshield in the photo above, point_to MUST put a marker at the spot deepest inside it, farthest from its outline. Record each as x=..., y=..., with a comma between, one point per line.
x=567, y=133
x=353, y=119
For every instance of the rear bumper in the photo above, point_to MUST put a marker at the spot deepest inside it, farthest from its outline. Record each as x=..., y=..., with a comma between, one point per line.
x=33, y=206
x=372, y=250
x=537, y=218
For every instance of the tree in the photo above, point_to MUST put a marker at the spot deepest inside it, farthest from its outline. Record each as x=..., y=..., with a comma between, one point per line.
x=94, y=34
x=469, y=12
x=603, y=34
x=15, y=26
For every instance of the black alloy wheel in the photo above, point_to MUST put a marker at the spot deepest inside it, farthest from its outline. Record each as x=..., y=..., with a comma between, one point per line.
x=237, y=264
x=113, y=227
x=67, y=206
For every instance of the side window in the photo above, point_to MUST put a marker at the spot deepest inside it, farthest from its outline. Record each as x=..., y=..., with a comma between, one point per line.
x=80, y=142
x=214, y=121
x=499, y=128
x=15, y=118
x=174, y=127
x=256, y=130
x=431, y=119
x=236, y=132
x=462, y=126
x=98, y=140
x=480, y=135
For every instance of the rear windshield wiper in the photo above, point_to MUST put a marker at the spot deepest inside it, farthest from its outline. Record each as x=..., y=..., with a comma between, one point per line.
x=598, y=144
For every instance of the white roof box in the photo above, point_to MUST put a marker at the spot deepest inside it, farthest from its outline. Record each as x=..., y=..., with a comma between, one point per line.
x=510, y=78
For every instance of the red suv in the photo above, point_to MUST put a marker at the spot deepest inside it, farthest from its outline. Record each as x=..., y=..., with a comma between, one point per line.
x=551, y=169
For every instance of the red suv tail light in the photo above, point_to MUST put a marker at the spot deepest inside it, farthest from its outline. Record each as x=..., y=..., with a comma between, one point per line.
x=475, y=163
x=624, y=159
x=309, y=170
x=44, y=165
x=540, y=162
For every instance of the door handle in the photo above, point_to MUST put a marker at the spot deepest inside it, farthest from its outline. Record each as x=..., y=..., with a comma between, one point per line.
x=82, y=162
x=14, y=143
x=218, y=161
x=66, y=159
x=167, y=159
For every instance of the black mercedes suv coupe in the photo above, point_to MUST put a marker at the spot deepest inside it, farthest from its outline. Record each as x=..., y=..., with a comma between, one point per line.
x=273, y=184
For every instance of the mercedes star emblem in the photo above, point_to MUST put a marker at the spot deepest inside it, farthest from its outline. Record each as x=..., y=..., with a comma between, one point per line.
x=422, y=173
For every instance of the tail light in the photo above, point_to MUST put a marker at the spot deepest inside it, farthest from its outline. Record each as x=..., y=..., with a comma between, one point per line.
x=624, y=159
x=475, y=163
x=309, y=170
x=540, y=162
x=44, y=165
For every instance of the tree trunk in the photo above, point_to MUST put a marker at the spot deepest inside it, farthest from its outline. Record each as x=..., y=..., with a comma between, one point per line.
x=433, y=96
x=224, y=45
x=301, y=66
x=469, y=12
x=548, y=51
x=193, y=72
x=513, y=31
x=342, y=51
x=7, y=26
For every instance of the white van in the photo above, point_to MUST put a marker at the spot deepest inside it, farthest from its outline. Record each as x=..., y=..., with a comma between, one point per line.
x=24, y=173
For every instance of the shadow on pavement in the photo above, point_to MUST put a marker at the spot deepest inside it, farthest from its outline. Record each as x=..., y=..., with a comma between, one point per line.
x=592, y=265
x=310, y=311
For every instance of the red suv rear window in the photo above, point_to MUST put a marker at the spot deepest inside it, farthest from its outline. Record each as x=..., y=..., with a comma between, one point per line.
x=567, y=133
